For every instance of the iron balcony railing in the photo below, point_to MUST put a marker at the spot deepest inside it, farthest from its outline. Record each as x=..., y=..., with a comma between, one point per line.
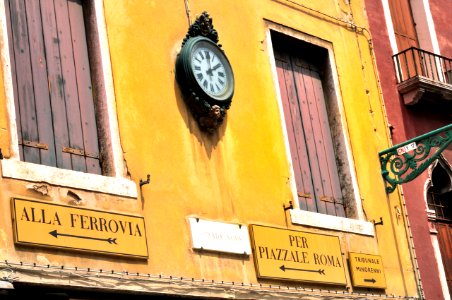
x=414, y=62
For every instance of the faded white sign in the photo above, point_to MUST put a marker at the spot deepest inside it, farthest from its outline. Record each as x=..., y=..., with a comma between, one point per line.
x=218, y=236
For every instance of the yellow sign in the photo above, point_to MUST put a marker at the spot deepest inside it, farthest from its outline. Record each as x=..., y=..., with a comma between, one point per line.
x=67, y=227
x=296, y=255
x=367, y=270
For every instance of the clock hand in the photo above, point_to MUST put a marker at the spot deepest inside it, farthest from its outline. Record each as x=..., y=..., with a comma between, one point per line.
x=209, y=70
x=215, y=67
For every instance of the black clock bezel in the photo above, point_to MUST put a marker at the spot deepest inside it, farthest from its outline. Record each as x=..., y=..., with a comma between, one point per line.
x=186, y=77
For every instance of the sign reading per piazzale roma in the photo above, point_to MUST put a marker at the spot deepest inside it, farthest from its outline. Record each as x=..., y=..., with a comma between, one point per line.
x=65, y=227
x=297, y=255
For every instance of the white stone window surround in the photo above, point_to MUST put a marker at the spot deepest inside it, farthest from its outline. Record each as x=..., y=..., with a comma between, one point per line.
x=117, y=183
x=359, y=225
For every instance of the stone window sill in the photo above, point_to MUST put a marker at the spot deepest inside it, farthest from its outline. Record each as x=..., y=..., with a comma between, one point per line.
x=302, y=217
x=119, y=186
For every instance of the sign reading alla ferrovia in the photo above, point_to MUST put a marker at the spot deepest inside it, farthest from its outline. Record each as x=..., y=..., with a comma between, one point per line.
x=66, y=227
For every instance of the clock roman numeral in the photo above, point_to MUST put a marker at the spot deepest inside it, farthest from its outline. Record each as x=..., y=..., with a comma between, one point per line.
x=199, y=75
x=211, y=88
x=205, y=84
x=221, y=74
x=197, y=68
x=220, y=81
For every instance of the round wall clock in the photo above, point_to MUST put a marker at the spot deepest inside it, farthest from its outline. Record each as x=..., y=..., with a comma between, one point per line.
x=204, y=74
x=203, y=67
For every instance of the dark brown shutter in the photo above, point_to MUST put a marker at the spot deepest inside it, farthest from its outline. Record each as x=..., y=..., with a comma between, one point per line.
x=309, y=136
x=445, y=245
x=53, y=84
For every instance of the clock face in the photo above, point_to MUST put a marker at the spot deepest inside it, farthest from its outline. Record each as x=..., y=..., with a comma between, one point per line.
x=209, y=71
x=202, y=68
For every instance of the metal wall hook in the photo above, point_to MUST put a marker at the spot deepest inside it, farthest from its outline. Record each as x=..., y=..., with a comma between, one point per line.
x=147, y=181
x=378, y=223
x=288, y=207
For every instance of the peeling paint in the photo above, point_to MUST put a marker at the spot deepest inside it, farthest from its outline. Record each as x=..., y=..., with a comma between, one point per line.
x=39, y=188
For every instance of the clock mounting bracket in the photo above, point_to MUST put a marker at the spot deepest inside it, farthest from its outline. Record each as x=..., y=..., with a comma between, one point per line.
x=202, y=27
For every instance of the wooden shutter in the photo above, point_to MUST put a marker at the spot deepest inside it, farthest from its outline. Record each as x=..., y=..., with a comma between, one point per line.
x=445, y=244
x=295, y=133
x=403, y=23
x=309, y=136
x=52, y=84
x=441, y=203
x=412, y=62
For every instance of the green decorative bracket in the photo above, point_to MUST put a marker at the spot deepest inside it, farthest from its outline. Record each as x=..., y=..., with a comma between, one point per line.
x=405, y=161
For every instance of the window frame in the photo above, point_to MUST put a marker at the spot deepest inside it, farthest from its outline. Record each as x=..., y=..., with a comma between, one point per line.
x=115, y=180
x=353, y=224
x=430, y=195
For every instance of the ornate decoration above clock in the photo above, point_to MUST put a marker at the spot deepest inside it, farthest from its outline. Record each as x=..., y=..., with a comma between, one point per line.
x=204, y=74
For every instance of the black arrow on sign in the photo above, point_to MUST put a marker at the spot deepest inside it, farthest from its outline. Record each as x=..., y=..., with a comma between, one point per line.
x=370, y=280
x=320, y=271
x=56, y=234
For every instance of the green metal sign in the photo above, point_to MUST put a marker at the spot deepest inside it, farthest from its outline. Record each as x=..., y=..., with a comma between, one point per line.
x=405, y=161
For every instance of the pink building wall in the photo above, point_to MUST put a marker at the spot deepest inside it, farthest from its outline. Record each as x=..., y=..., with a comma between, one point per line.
x=442, y=14
x=408, y=123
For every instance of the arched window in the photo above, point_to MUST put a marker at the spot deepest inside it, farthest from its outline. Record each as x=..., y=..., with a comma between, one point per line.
x=439, y=194
x=439, y=200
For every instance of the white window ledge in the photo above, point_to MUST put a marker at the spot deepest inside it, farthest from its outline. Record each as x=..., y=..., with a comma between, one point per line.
x=12, y=168
x=302, y=217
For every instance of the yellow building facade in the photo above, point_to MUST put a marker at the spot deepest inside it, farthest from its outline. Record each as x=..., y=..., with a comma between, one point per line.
x=177, y=210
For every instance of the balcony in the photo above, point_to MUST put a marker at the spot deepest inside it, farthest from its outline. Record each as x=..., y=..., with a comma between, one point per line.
x=424, y=79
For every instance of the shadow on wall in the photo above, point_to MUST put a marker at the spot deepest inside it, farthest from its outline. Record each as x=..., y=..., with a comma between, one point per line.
x=209, y=140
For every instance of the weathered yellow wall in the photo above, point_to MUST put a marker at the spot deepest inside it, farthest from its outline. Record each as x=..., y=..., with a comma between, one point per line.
x=240, y=173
